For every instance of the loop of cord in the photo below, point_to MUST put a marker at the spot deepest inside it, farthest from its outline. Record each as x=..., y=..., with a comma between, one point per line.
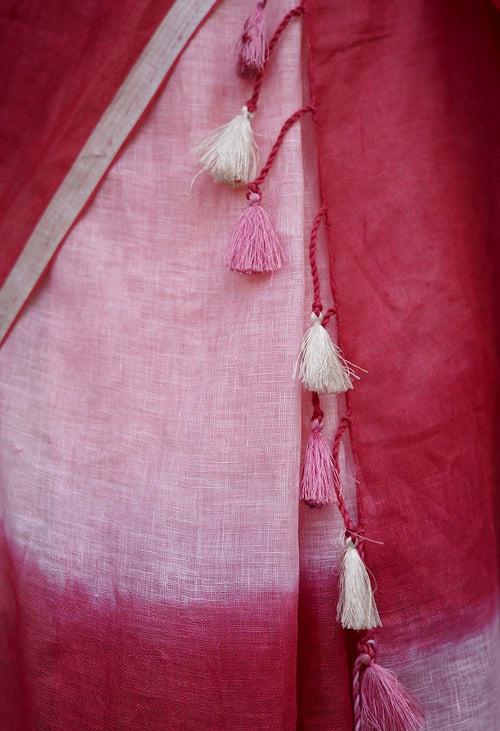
x=328, y=315
x=367, y=646
x=254, y=186
x=318, y=412
x=254, y=99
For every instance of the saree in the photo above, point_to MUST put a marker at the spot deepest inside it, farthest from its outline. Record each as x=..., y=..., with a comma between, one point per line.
x=157, y=567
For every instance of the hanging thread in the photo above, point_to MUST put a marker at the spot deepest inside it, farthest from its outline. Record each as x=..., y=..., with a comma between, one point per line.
x=317, y=305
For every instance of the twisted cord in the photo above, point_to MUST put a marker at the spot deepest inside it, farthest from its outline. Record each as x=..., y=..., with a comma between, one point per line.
x=349, y=524
x=317, y=305
x=254, y=187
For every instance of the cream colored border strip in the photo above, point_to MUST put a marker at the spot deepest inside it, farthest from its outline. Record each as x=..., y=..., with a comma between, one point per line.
x=108, y=136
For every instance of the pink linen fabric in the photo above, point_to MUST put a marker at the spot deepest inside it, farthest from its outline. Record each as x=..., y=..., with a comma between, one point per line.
x=156, y=569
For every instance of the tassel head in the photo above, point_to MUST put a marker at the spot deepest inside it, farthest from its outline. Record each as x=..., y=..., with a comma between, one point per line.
x=254, y=248
x=317, y=469
x=252, y=46
x=383, y=702
x=356, y=608
x=229, y=154
x=320, y=365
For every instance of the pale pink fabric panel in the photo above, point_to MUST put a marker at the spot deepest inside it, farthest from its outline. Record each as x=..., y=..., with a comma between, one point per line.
x=150, y=425
x=149, y=388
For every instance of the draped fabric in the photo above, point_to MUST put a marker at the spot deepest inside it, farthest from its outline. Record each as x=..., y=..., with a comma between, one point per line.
x=156, y=569
x=407, y=128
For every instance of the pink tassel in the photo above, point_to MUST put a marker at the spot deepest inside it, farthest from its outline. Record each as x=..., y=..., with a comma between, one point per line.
x=254, y=247
x=252, y=46
x=317, y=470
x=380, y=701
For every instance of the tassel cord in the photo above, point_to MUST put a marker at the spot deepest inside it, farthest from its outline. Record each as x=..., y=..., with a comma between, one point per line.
x=317, y=305
x=293, y=13
x=318, y=412
x=333, y=290
x=351, y=528
x=254, y=186
x=279, y=141
x=359, y=492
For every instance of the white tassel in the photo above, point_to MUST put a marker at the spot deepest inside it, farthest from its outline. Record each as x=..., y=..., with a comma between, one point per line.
x=230, y=153
x=320, y=365
x=356, y=608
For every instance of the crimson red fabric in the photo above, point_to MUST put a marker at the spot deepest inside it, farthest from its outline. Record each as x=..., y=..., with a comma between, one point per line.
x=59, y=70
x=408, y=112
x=142, y=651
x=323, y=668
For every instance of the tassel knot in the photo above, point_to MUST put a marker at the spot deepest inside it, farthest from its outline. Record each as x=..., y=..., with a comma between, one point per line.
x=320, y=365
x=253, y=196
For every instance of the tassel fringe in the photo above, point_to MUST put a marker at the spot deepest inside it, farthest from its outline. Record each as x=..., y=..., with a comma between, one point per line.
x=382, y=702
x=254, y=248
x=252, y=46
x=320, y=365
x=356, y=607
x=229, y=154
x=317, y=470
